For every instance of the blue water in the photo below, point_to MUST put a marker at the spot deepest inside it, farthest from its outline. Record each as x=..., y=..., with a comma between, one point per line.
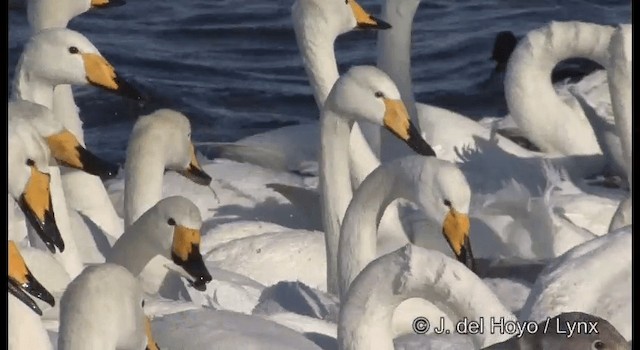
x=234, y=68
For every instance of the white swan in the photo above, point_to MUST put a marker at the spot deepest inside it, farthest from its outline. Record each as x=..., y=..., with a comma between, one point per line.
x=437, y=186
x=171, y=228
x=25, y=329
x=608, y=293
x=553, y=125
x=619, y=76
x=102, y=308
x=84, y=192
x=410, y=272
x=159, y=141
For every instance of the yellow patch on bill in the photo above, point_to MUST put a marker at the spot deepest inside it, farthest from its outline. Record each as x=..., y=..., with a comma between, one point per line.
x=183, y=240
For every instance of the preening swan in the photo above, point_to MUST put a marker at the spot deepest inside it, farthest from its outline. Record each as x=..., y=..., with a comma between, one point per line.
x=25, y=329
x=171, y=228
x=553, y=125
x=83, y=192
x=437, y=186
x=413, y=272
x=102, y=308
x=159, y=141
x=363, y=94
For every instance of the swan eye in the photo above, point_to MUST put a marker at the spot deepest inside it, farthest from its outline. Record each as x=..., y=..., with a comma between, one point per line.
x=142, y=302
x=73, y=50
x=30, y=162
x=447, y=203
x=346, y=2
x=171, y=222
x=597, y=345
x=379, y=94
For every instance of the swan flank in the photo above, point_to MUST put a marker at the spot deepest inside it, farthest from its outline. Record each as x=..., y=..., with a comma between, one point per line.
x=84, y=192
x=436, y=185
x=102, y=308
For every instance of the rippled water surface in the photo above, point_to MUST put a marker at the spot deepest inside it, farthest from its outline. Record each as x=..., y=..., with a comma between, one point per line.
x=235, y=69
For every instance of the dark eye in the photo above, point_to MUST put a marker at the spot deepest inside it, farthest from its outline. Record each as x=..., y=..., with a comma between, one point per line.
x=73, y=50
x=597, y=345
x=447, y=203
x=171, y=222
x=379, y=94
x=142, y=302
x=346, y=2
x=30, y=162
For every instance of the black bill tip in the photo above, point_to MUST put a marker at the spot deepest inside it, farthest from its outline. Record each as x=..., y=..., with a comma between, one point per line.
x=46, y=229
x=195, y=267
x=111, y=3
x=378, y=24
x=127, y=90
x=418, y=144
x=96, y=166
x=197, y=175
x=33, y=287
x=466, y=255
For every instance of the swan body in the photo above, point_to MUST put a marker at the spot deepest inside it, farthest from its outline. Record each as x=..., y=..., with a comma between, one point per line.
x=365, y=315
x=436, y=185
x=43, y=14
x=103, y=309
x=555, y=288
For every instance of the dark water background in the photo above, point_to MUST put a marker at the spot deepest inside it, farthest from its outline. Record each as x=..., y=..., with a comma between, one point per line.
x=234, y=67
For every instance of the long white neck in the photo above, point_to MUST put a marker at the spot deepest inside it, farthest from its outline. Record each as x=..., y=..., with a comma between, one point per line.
x=414, y=272
x=144, y=173
x=316, y=48
x=533, y=103
x=30, y=87
x=619, y=76
x=47, y=14
x=358, y=234
x=335, y=186
x=26, y=330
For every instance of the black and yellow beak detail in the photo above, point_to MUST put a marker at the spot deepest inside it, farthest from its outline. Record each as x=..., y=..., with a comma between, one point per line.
x=21, y=281
x=100, y=4
x=396, y=119
x=456, y=231
x=364, y=20
x=35, y=203
x=101, y=73
x=66, y=149
x=194, y=171
x=185, y=252
x=151, y=343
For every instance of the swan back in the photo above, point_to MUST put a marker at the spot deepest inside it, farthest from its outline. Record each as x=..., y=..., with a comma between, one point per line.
x=102, y=309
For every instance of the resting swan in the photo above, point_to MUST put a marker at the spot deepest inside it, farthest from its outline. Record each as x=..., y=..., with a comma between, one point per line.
x=25, y=328
x=84, y=192
x=102, y=308
x=436, y=185
x=413, y=272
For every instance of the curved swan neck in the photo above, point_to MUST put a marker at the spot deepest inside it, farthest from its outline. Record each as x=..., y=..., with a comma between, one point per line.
x=394, y=49
x=358, y=234
x=65, y=110
x=335, y=186
x=316, y=48
x=25, y=327
x=29, y=87
x=141, y=243
x=144, y=173
x=532, y=101
x=47, y=14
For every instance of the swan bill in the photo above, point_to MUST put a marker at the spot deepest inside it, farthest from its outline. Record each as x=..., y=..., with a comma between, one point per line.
x=396, y=119
x=185, y=252
x=35, y=203
x=66, y=149
x=101, y=73
x=194, y=171
x=106, y=3
x=456, y=231
x=21, y=281
x=151, y=343
x=364, y=20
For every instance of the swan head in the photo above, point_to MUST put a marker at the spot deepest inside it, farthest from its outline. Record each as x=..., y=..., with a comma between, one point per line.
x=64, y=146
x=334, y=17
x=57, y=13
x=63, y=56
x=441, y=190
x=179, y=218
x=367, y=94
x=177, y=149
x=29, y=180
x=22, y=283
